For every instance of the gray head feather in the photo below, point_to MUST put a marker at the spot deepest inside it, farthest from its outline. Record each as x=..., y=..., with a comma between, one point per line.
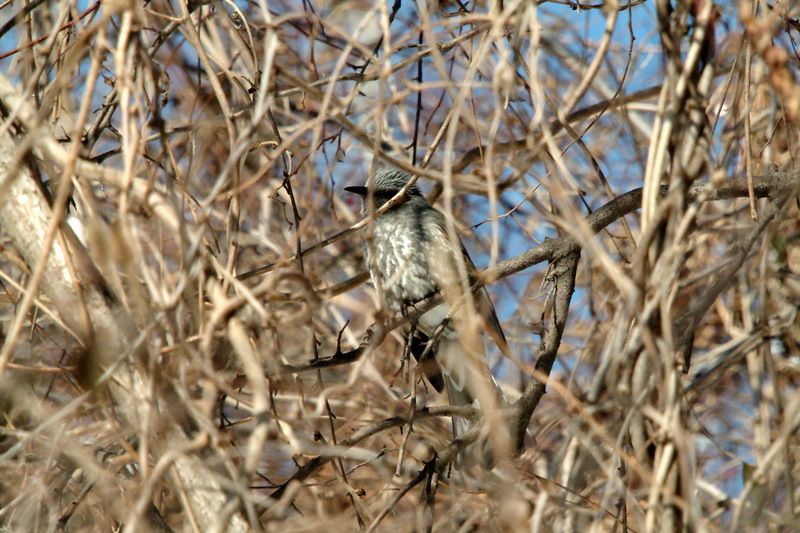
x=391, y=180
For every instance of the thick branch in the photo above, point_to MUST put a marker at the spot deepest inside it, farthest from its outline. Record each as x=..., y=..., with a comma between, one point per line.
x=564, y=274
x=104, y=328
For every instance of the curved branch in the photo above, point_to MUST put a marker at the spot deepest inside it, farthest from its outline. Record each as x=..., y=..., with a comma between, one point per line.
x=564, y=253
x=552, y=250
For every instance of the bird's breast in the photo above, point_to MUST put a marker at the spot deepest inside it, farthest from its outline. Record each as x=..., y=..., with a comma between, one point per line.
x=398, y=254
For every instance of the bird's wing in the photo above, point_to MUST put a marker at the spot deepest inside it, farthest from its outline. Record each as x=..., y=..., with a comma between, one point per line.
x=486, y=310
x=442, y=248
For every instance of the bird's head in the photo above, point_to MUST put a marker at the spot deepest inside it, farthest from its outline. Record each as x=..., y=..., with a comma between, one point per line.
x=387, y=183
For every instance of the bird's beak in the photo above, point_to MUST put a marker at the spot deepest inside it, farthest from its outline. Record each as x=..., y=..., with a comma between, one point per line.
x=359, y=190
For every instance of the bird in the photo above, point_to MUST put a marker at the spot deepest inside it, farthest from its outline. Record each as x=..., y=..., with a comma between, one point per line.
x=411, y=255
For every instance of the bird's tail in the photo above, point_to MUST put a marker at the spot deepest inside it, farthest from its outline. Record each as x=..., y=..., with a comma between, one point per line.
x=470, y=383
